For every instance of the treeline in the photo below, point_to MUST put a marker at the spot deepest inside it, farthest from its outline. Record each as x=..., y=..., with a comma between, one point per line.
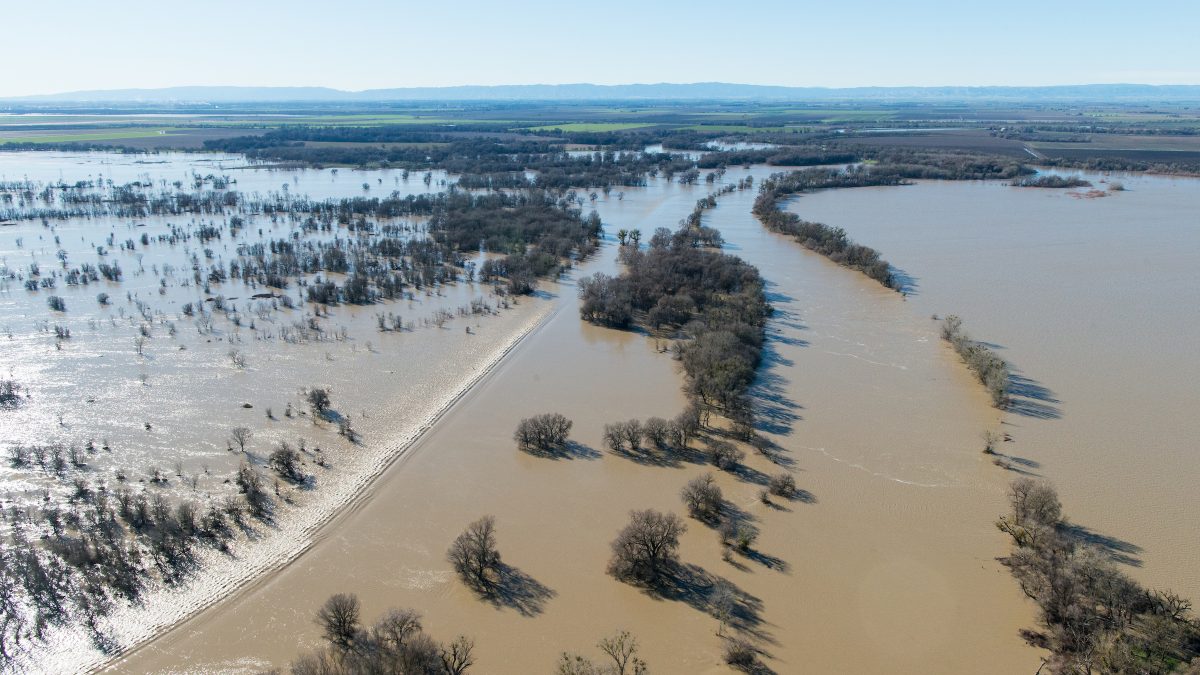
x=713, y=301
x=942, y=164
x=482, y=162
x=1111, y=162
x=1052, y=181
x=775, y=157
x=1095, y=618
x=831, y=242
x=987, y=365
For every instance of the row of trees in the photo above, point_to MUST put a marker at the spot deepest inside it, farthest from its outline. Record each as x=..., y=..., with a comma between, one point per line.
x=1052, y=181
x=987, y=365
x=656, y=432
x=831, y=242
x=395, y=644
x=1094, y=618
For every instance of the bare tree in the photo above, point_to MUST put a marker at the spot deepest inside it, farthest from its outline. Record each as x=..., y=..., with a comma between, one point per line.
x=724, y=455
x=622, y=649
x=657, y=431
x=647, y=546
x=338, y=619
x=318, y=399
x=632, y=433
x=614, y=436
x=686, y=425
x=723, y=600
x=457, y=656
x=474, y=553
x=241, y=436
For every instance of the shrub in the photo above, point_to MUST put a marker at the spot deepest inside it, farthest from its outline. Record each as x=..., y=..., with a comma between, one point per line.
x=782, y=485
x=740, y=654
x=286, y=462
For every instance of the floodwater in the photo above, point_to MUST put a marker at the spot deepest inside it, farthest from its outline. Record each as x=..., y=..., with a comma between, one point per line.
x=1096, y=302
x=886, y=563
x=172, y=407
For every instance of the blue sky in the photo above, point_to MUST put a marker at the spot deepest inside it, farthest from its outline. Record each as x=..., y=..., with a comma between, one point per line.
x=359, y=44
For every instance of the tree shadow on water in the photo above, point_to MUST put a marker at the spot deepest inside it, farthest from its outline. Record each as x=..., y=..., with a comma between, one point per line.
x=906, y=283
x=1018, y=465
x=774, y=412
x=568, y=450
x=1117, y=550
x=694, y=586
x=1030, y=398
x=514, y=589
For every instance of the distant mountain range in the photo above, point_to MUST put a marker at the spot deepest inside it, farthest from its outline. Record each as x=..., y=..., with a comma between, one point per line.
x=625, y=92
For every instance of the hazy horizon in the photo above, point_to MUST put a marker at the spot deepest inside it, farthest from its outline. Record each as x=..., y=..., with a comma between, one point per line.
x=366, y=44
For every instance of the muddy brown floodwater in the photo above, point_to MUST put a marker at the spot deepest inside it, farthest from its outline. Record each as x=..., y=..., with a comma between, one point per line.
x=1096, y=302
x=887, y=563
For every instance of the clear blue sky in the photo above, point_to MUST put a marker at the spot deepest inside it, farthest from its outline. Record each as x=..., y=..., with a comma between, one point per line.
x=359, y=44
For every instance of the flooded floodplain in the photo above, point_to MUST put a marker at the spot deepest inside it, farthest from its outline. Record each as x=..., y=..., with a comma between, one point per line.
x=1096, y=303
x=884, y=562
x=144, y=391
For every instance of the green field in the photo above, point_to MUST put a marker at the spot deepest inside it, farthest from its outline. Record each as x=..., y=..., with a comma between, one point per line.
x=85, y=137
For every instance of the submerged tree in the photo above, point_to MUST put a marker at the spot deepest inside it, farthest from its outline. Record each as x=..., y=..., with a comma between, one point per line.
x=542, y=433
x=474, y=555
x=338, y=619
x=647, y=547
